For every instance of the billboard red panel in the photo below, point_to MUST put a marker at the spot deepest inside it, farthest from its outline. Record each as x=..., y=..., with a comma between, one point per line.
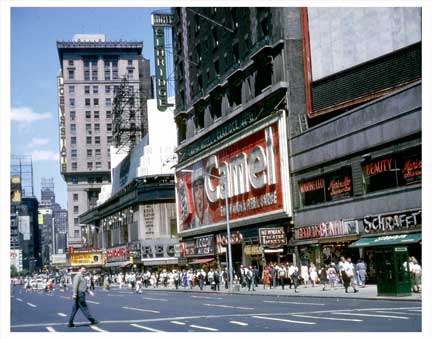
x=249, y=169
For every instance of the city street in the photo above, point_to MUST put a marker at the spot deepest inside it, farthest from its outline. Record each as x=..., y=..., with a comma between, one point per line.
x=165, y=310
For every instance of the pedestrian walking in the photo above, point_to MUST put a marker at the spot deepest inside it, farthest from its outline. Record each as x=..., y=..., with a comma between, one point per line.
x=282, y=276
x=266, y=277
x=332, y=275
x=273, y=273
x=361, y=272
x=216, y=279
x=322, y=272
x=294, y=276
x=347, y=273
x=417, y=275
x=313, y=274
x=304, y=274
x=80, y=289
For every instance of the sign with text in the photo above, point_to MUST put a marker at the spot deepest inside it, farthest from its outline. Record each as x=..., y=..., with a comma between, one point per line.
x=204, y=245
x=272, y=237
x=158, y=248
x=83, y=258
x=329, y=229
x=393, y=221
x=252, y=168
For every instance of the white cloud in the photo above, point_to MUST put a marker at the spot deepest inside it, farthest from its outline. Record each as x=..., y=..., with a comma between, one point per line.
x=27, y=115
x=38, y=142
x=45, y=155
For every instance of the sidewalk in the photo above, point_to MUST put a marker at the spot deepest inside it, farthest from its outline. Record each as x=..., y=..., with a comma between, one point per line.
x=368, y=292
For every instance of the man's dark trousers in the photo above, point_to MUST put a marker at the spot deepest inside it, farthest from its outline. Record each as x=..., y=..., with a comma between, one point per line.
x=80, y=303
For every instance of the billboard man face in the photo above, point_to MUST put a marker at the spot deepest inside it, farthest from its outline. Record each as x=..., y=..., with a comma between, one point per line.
x=198, y=197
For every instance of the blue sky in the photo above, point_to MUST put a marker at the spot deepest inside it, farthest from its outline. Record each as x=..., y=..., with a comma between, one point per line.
x=35, y=66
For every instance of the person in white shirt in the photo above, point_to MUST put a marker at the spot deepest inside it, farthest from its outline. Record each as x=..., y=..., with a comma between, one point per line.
x=347, y=273
x=416, y=272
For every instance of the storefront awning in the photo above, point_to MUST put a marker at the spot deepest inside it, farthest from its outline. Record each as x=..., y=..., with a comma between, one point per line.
x=201, y=261
x=160, y=261
x=117, y=264
x=267, y=250
x=399, y=239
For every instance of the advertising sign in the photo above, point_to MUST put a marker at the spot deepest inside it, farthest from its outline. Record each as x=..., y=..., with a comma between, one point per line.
x=24, y=226
x=158, y=248
x=389, y=222
x=16, y=259
x=91, y=258
x=14, y=233
x=327, y=229
x=252, y=168
x=58, y=259
x=272, y=237
x=119, y=253
x=204, y=245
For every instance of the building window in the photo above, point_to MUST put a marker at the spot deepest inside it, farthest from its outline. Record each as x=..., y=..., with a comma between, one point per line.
x=70, y=62
x=97, y=128
x=115, y=75
x=130, y=73
x=74, y=180
x=109, y=127
x=73, y=140
x=76, y=232
x=75, y=210
x=87, y=75
x=88, y=115
x=96, y=115
x=71, y=90
x=109, y=152
x=109, y=139
x=98, y=153
x=90, y=180
x=94, y=75
x=72, y=102
x=107, y=74
x=89, y=166
x=108, y=114
x=89, y=140
x=74, y=153
x=73, y=128
x=107, y=101
x=109, y=164
x=89, y=153
x=129, y=62
x=75, y=197
x=88, y=127
x=97, y=140
x=87, y=102
x=107, y=89
x=86, y=89
x=72, y=115
x=98, y=165
x=74, y=166
x=95, y=89
x=71, y=74
x=96, y=101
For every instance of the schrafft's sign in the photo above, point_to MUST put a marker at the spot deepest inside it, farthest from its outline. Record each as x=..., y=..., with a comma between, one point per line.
x=159, y=22
x=272, y=237
x=393, y=221
x=328, y=229
x=252, y=167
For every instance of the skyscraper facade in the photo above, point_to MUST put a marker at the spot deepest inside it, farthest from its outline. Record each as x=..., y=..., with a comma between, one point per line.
x=91, y=72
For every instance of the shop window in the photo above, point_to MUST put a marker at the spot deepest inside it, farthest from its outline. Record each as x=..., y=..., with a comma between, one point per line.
x=328, y=187
x=392, y=171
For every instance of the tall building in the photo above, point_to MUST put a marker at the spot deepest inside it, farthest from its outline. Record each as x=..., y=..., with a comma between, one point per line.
x=311, y=117
x=91, y=73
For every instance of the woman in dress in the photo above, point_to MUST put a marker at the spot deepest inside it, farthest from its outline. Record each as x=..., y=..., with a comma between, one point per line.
x=332, y=275
x=313, y=274
x=266, y=276
x=322, y=272
x=304, y=273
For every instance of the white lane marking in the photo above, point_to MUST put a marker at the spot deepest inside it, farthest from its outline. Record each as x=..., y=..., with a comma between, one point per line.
x=284, y=320
x=158, y=293
x=370, y=315
x=414, y=310
x=178, y=322
x=226, y=306
x=139, y=309
x=92, y=302
x=324, y=318
x=238, y=323
x=194, y=296
x=114, y=295
x=395, y=312
x=146, y=328
x=31, y=305
x=126, y=292
x=205, y=328
x=19, y=299
x=50, y=329
x=62, y=314
x=65, y=297
x=155, y=299
x=291, y=302
x=97, y=329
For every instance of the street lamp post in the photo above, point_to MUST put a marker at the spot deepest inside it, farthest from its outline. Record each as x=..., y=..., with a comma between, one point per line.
x=230, y=270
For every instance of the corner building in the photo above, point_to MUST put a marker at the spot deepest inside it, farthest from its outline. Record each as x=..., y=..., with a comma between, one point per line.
x=315, y=125
x=91, y=73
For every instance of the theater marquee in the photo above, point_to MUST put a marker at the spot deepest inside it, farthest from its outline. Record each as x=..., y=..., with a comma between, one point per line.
x=257, y=176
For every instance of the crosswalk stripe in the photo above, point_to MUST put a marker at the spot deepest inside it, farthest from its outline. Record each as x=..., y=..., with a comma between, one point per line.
x=226, y=306
x=139, y=309
x=291, y=302
x=31, y=305
x=197, y=297
x=394, y=312
x=178, y=322
x=371, y=315
x=324, y=318
x=92, y=302
x=62, y=314
x=155, y=299
x=284, y=320
x=205, y=328
x=414, y=310
x=238, y=323
x=146, y=328
x=97, y=329
x=19, y=299
x=50, y=329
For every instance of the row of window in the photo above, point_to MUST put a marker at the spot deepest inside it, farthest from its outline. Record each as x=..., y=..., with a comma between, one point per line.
x=88, y=115
x=89, y=128
x=74, y=180
x=94, y=89
x=97, y=153
x=97, y=140
x=98, y=165
x=108, y=74
x=93, y=63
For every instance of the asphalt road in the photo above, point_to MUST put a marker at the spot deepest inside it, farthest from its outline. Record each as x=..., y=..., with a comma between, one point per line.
x=170, y=311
